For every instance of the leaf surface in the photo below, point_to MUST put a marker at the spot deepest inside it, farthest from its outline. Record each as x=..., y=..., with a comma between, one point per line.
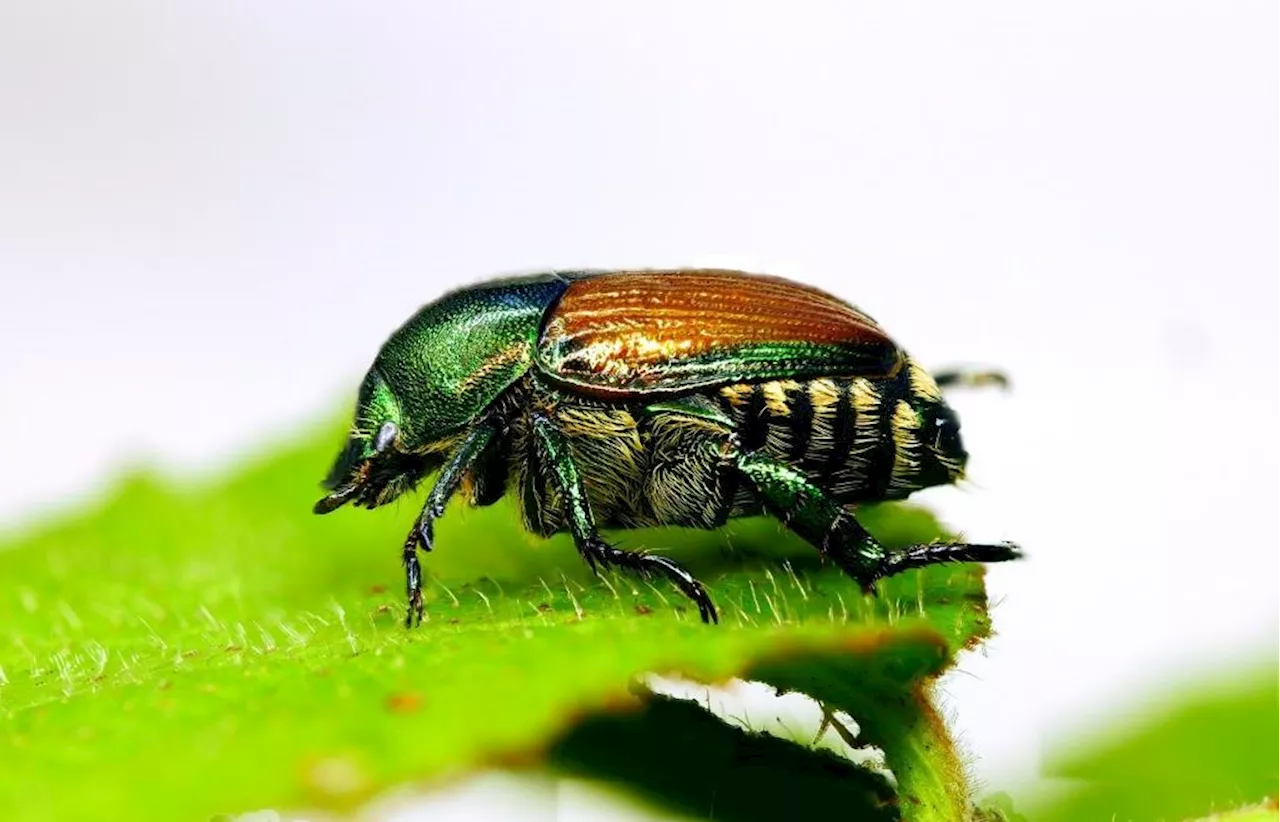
x=182, y=651
x=1206, y=748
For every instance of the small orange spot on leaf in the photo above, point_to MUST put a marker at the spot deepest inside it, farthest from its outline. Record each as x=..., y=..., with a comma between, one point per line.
x=404, y=703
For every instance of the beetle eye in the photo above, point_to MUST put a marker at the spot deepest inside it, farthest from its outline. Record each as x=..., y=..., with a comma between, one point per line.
x=386, y=435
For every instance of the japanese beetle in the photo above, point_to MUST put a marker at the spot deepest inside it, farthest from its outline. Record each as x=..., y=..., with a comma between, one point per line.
x=640, y=398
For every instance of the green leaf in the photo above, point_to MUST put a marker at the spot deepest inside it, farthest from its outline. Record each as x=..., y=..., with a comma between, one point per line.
x=1258, y=813
x=998, y=808
x=900, y=721
x=677, y=755
x=1209, y=749
x=184, y=651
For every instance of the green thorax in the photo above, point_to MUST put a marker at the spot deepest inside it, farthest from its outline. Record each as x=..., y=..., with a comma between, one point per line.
x=442, y=369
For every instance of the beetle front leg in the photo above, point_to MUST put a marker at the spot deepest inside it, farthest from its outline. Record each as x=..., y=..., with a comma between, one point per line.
x=554, y=453
x=827, y=525
x=412, y=582
x=423, y=531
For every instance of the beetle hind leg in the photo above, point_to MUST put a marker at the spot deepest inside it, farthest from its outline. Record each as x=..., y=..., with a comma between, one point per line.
x=826, y=524
x=918, y=556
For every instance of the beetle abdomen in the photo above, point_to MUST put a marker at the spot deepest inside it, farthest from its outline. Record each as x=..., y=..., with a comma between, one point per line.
x=859, y=438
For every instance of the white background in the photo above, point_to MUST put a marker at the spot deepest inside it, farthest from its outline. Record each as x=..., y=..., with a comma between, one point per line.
x=212, y=214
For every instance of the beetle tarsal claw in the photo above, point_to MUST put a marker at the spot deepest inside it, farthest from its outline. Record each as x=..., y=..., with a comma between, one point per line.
x=416, y=609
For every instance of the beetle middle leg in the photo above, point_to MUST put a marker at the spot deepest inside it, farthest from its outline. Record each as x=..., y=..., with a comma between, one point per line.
x=826, y=524
x=554, y=453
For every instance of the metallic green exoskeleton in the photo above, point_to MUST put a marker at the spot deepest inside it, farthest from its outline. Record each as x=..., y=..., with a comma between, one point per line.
x=630, y=399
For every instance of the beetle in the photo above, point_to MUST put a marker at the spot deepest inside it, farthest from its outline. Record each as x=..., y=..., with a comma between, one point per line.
x=626, y=399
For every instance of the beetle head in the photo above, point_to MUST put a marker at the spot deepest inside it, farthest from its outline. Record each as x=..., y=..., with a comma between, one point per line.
x=379, y=462
x=375, y=466
x=436, y=376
